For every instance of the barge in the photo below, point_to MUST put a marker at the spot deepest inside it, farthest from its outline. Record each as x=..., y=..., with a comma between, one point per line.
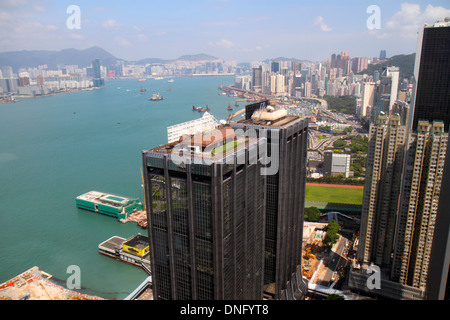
x=111, y=205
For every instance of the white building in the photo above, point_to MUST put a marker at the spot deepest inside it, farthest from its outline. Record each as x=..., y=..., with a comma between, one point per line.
x=205, y=123
x=335, y=164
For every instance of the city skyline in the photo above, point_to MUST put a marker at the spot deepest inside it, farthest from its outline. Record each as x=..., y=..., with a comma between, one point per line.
x=242, y=31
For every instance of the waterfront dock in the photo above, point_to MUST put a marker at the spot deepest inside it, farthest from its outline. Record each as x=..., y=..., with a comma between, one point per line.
x=133, y=250
x=108, y=204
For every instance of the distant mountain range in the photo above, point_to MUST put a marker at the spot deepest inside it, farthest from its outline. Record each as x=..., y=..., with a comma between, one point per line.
x=194, y=57
x=34, y=58
x=82, y=58
x=286, y=59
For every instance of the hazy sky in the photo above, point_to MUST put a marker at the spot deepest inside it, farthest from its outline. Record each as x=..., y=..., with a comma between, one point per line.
x=244, y=30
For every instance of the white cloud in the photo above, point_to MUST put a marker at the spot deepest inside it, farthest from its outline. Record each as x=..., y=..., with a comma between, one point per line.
x=12, y=3
x=410, y=18
x=222, y=43
x=138, y=29
x=121, y=41
x=76, y=36
x=319, y=22
x=39, y=8
x=111, y=24
x=51, y=27
x=141, y=37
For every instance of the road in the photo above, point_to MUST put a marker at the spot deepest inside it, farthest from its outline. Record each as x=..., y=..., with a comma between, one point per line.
x=335, y=261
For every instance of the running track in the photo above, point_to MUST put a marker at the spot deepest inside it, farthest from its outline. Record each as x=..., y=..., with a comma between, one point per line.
x=334, y=185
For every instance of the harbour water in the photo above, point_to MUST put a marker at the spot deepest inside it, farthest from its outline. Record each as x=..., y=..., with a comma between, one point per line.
x=55, y=148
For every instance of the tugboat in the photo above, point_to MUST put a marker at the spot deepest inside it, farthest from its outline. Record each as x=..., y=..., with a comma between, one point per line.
x=156, y=97
x=203, y=110
x=229, y=107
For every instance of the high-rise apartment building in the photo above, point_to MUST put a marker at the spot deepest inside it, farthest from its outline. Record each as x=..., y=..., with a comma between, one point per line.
x=257, y=79
x=400, y=212
x=438, y=286
x=367, y=100
x=7, y=72
x=359, y=64
x=285, y=192
x=423, y=172
x=265, y=79
x=382, y=185
x=205, y=205
x=417, y=264
x=387, y=90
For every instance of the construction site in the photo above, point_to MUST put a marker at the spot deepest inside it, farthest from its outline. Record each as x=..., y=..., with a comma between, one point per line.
x=313, y=248
x=35, y=284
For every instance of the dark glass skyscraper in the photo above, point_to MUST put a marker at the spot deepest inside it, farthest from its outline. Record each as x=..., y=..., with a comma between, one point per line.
x=275, y=66
x=285, y=193
x=432, y=73
x=96, y=74
x=432, y=102
x=205, y=206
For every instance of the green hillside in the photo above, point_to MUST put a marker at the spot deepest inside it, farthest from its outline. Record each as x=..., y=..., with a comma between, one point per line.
x=404, y=61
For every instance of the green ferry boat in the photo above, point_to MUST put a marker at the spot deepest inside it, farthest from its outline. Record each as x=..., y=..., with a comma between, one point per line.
x=108, y=204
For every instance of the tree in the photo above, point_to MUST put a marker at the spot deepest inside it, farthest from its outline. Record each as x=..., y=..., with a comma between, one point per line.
x=339, y=144
x=331, y=236
x=312, y=214
x=348, y=129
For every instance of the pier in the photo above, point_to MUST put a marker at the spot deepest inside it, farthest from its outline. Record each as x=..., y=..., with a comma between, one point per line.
x=133, y=250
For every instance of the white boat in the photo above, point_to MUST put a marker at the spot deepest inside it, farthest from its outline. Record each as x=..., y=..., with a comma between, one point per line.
x=171, y=80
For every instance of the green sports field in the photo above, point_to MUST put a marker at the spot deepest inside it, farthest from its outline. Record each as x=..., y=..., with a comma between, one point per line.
x=333, y=194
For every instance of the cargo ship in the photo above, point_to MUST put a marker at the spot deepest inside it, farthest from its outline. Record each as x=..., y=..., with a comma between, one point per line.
x=108, y=204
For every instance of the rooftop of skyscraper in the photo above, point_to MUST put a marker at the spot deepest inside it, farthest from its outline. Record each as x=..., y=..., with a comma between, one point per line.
x=445, y=23
x=214, y=145
x=270, y=116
